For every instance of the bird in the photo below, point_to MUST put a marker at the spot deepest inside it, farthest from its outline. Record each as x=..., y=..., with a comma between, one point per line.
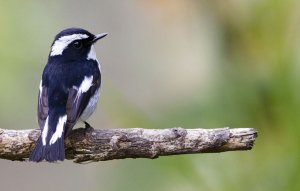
x=68, y=91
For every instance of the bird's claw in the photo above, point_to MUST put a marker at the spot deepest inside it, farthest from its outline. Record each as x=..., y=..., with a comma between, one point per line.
x=88, y=127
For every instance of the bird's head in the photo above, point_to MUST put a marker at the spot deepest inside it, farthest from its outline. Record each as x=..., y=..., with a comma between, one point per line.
x=75, y=44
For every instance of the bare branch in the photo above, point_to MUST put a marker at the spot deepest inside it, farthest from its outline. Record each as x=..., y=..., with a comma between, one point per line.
x=89, y=145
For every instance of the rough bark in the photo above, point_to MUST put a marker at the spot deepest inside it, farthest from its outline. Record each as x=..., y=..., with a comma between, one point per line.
x=90, y=145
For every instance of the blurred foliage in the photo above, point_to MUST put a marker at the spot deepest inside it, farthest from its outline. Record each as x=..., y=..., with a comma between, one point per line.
x=250, y=81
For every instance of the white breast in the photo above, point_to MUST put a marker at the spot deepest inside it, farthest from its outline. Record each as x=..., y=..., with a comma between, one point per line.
x=90, y=108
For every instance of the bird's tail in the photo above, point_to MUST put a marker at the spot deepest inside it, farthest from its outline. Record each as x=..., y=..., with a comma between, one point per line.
x=50, y=153
x=50, y=146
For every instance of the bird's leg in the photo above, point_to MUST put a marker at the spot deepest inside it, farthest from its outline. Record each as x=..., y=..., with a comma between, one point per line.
x=88, y=127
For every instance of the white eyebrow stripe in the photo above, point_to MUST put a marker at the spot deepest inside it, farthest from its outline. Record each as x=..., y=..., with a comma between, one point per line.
x=60, y=44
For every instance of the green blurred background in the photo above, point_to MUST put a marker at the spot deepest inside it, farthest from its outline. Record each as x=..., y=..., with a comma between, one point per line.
x=165, y=63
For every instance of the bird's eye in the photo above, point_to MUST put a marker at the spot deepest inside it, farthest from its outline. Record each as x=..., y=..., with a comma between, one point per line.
x=77, y=44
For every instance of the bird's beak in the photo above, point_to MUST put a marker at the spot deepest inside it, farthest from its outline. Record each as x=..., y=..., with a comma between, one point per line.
x=98, y=37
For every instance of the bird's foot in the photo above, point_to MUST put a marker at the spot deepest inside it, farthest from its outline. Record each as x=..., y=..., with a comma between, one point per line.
x=88, y=127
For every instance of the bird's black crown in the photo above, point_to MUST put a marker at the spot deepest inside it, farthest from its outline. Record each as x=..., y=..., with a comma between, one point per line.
x=70, y=31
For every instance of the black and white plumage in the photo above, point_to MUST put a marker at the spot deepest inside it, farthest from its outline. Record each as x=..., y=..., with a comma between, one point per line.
x=68, y=92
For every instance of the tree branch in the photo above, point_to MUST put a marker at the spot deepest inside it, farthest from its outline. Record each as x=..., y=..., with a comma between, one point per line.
x=90, y=145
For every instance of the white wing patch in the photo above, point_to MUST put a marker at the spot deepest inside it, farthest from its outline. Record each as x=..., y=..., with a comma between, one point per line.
x=59, y=129
x=84, y=86
x=45, y=132
x=60, y=44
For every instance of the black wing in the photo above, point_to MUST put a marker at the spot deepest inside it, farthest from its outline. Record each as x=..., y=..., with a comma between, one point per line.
x=77, y=102
x=43, y=106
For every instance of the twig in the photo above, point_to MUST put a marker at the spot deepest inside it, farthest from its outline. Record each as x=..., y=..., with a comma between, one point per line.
x=90, y=145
